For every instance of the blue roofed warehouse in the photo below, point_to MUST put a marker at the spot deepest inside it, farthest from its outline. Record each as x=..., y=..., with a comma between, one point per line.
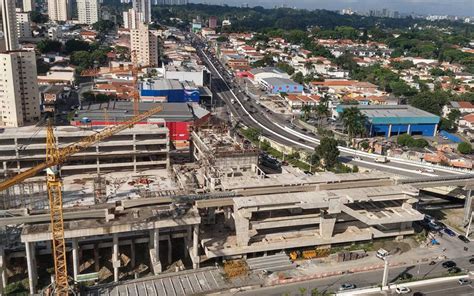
x=395, y=120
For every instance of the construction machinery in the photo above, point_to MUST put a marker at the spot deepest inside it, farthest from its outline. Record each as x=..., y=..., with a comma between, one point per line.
x=55, y=156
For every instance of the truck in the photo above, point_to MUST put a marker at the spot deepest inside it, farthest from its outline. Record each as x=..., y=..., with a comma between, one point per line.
x=381, y=159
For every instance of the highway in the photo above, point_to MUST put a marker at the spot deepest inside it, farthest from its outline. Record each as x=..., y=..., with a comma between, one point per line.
x=251, y=114
x=373, y=278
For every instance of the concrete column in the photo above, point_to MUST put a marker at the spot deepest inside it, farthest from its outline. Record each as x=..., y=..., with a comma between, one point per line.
x=195, y=246
x=409, y=129
x=435, y=130
x=242, y=225
x=30, y=262
x=156, y=243
x=155, y=250
x=115, y=259
x=134, y=153
x=170, y=251
x=97, y=151
x=3, y=267
x=96, y=258
x=389, y=131
x=75, y=257
x=468, y=207
x=132, y=254
x=326, y=226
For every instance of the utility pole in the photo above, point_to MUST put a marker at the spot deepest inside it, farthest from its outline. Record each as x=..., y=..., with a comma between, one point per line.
x=385, y=273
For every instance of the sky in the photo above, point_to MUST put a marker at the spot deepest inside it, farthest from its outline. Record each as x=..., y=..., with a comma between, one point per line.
x=442, y=7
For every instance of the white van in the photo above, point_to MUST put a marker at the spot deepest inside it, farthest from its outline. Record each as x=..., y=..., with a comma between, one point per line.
x=382, y=253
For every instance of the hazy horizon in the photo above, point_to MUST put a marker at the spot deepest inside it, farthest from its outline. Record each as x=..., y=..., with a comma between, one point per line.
x=440, y=7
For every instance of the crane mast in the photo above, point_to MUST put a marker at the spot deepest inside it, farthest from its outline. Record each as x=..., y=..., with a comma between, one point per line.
x=56, y=212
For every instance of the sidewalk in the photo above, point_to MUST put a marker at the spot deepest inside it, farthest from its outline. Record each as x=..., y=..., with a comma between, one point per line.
x=324, y=267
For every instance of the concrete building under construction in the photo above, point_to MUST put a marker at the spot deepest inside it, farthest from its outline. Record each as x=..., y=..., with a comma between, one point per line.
x=133, y=149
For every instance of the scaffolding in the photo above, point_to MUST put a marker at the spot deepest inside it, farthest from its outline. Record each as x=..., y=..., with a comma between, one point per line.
x=29, y=195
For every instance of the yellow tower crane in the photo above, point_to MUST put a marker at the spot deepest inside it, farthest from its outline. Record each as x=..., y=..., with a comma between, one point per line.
x=54, y=157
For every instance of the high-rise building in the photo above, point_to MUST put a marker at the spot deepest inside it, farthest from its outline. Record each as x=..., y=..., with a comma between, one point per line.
x=19, y=96
x=143, y=8
x=130, y=19
x=213, y=22
x=28, y=5
x=10, y=33
x=88, y=11
x=23, y=24
x=144, y=46
x=58, y=10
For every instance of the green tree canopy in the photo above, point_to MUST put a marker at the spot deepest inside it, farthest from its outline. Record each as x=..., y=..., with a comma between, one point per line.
x=354, y=121
x=465, y=148
x=47, y=46
x=328, y=152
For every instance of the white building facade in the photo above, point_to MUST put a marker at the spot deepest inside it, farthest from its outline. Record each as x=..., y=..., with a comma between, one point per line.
x=88, y=11
x=19, y=95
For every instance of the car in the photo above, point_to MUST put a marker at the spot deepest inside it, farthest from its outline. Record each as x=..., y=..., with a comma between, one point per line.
x=418, y=294
x=304, y=130
x=433, y=226
x=449, y=264
x=464, y=239
x=453, y=270
x=347, y=286
x=449, y=232
x=402, y=290
x=471, y=260
x=464, y=281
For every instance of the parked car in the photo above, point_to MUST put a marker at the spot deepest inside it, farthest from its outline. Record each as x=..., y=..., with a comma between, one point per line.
x=464, y=281
x=464, y=239
x=402, y=290
x=453, y=270
x=433, y=226
x=449, y=232
x=418, y=294
x=347, y=286
x=448, y=264
x=471, y=260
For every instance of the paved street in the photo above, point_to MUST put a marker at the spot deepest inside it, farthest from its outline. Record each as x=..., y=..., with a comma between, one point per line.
x=251, y=114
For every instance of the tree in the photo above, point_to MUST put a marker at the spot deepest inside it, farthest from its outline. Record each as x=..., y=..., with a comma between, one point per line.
x=103, y=26
x=253, y=134
x=431, y=102
x=76, y=45
x=222, y=39
x=298, y=77
x=328, y=152
x=38, y=17
x=354, y=121
x=306, y=109
x=464, y=148
x=47, y=46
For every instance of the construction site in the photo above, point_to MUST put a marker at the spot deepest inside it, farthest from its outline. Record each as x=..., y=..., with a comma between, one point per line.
x=128, y=213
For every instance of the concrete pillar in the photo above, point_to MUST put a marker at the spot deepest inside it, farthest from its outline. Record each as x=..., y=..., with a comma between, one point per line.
x=389, y=131
x=195, y=246
x=468, y=207
x=97, y=151
x=156, y=242
x=96, y=258
x=242, y=225
x=115, y=259
x=326, y=226
x=435, y=130
x=409, y=129
x=30, y=262
x=3, y=267
x=75, y=257
x=134, y=153
x=170, y=251
x=132, y=254
x=155, y=251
